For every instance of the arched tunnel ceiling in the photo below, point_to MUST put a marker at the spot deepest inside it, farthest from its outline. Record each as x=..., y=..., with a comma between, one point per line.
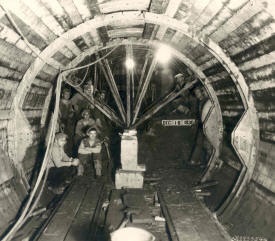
x=180, y=25
x=64, y=30
x=229, y=44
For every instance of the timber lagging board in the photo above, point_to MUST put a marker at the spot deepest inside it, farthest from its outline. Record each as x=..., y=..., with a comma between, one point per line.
x=73, y=218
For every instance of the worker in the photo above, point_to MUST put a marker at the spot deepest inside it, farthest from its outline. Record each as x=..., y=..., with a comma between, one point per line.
x=82, y=126
x=179, y=81
x=89, y=153
x=203, y=149
x=185, y=102
x=66, y=118
x=62, y=168
x=101, y=96
x=79, y=102
x=184, y=106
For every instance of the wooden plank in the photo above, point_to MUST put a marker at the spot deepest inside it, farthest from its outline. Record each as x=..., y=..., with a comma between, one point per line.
x=45, y=16
x=187, y=217
x=62, y=220
x=171, y=10
x=240, y=17
x=58, y=12
x=113, y=87
x=115, y=214
x=134, y=199
x=6, y=114
x=144, y=89
x=129, y=55
x=72, y=11
x=80, y=228
x=143, y=73
x=125, y=32
x=122, y=5
x=83, y=9
x=19, y=8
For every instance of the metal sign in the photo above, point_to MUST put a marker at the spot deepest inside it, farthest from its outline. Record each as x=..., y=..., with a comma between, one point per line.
x=185, y=122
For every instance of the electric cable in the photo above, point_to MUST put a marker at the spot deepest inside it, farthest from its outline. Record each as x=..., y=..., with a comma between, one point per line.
x=43, y=169
x=92, y=63
x=84, y=78
x=37, y=199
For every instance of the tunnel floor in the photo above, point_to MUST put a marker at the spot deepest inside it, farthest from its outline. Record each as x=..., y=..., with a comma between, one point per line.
x=170, y=205
x=90, y=209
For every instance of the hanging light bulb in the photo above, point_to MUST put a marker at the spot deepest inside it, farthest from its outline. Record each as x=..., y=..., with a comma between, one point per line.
x=129, y=63
x=163, y=54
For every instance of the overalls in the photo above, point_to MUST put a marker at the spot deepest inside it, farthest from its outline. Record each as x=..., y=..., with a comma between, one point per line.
x=92, y=161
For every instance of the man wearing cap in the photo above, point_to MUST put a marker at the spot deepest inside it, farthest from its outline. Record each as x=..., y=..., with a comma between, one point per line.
x=184, y=103
x=179, y=81
x=62, y=167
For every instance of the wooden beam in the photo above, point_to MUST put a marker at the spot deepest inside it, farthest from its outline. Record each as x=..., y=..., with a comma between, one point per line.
x=72, y=11
x=104, y=109
x=162, y=103
x=88, y=39
x=129, y=54
x=6, y=114
x=266, y=115
x=21, y=10
x=262, y=84
x=83, y=9
x=58, y=12
x=236, y=20
x=140, y=97
x=143, y=73
x=171, y=10
x=46, y=16
x=113, y=87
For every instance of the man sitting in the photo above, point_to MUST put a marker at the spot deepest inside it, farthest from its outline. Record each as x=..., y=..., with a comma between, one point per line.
x=89, y=153
x=83, y=124
x=62, y=167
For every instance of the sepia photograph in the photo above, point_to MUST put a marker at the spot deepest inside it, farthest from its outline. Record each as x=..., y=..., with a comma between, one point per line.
x=137, y=120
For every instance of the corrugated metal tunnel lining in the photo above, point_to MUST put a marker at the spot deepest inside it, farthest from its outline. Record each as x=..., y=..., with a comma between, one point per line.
x=229, y=45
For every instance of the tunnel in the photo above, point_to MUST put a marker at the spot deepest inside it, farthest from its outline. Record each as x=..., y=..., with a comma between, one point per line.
x=208, y=171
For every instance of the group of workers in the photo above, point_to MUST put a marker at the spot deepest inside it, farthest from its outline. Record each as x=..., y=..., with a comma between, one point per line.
x=79, y=139
x=78, y=144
